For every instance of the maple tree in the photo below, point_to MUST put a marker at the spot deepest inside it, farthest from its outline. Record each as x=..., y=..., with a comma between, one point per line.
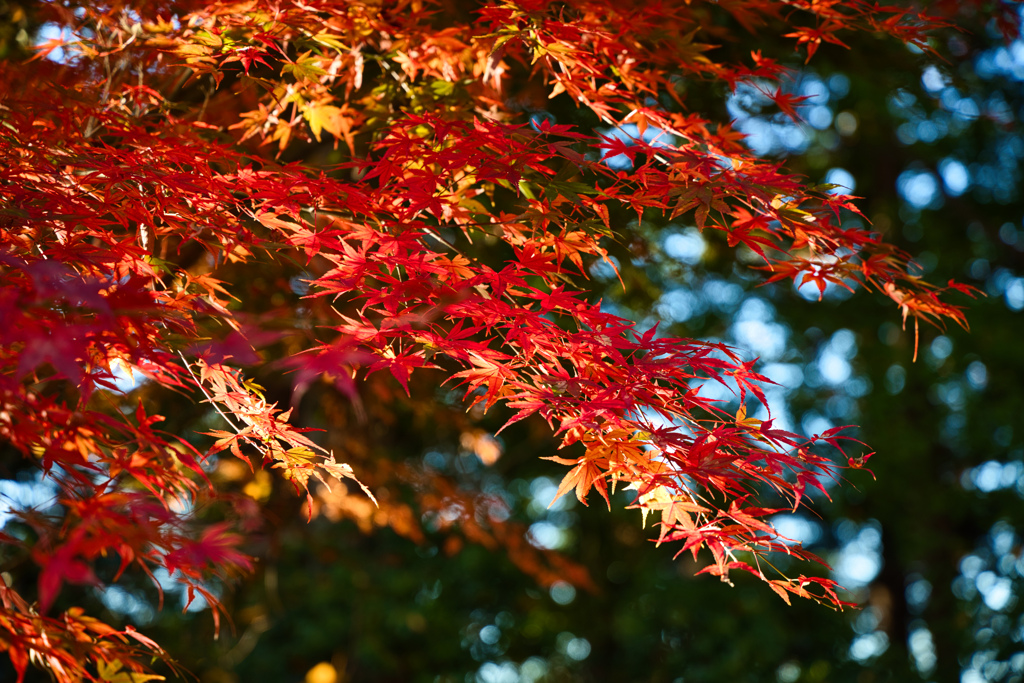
x=394, y=165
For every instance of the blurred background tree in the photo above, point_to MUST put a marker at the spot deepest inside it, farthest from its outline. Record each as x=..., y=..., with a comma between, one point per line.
x=930, y=547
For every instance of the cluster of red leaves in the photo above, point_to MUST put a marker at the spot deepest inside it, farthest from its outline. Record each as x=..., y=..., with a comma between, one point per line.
x=111, y=175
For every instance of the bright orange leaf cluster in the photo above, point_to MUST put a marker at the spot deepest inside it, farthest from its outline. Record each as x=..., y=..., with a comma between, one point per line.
x=453, y=233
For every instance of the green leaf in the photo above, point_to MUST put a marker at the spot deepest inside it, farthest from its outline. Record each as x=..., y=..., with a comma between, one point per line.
x=110, y=672
x=330, y=41
x=442, y=88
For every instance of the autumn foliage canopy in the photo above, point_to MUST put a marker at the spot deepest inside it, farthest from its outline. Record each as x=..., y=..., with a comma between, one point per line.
x=183, y=163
